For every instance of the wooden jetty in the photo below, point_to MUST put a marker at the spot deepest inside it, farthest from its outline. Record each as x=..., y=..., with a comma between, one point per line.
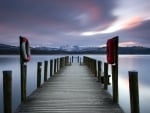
x=73, y=89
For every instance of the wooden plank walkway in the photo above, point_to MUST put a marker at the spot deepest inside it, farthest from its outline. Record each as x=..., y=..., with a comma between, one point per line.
x=73, y=90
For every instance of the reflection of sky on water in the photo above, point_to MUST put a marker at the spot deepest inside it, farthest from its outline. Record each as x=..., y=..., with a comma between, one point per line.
x=126, y=63
x=139, y=63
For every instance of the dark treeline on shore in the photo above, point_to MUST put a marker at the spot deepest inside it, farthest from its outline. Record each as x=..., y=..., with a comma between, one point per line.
x=10, y=50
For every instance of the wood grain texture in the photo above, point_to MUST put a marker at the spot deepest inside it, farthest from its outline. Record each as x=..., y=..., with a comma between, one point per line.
x=73, y=90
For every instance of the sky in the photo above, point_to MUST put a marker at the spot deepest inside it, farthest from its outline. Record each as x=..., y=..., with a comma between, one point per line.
x=55, y=23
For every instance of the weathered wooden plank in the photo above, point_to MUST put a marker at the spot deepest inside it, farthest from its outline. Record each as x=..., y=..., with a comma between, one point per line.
x=72, y=90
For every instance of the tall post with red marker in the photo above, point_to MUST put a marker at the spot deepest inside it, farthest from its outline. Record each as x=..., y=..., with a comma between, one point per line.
x=112, y=58
x=24, y=58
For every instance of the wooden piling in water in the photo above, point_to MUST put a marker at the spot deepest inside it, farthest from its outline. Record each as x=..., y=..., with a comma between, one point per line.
x=66, y=60
x=134, y=91
x=72, y=59
x=7, y=91
x=51, y=68
x=80, y=61
x=115, y=83
x=115, y=73
x=91, y=65
x=39, y=70
x=61, y=63
x=45, y=70
x=23, y=82
x=105, y=75
x=57, y=64
x=99, y=71
x=95, y=67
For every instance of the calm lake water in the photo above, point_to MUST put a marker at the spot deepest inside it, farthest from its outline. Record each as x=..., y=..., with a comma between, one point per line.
x=140, y=63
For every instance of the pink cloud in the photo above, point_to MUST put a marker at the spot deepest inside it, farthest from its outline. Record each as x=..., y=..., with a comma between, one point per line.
x=95, y=13
x=129, y=43
x=87, y=7
x=133, y=22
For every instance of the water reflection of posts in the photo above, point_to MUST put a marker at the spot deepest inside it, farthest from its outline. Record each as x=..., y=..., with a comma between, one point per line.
x=7, y=91
x=134, y=91
x=39, y=74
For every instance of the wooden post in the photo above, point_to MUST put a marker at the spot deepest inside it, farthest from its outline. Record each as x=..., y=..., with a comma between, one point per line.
x=115, y=74
x=84, y=60
x=7, y=91
x=45, y=70
x=92, y=66
x=115, y=83
x=99, y=71
x=39, y=74
x=23, y=73
x=105, y=75
x=80, y=61
x=23, y=83
x=72, y=59
x=51, y=68
x=55, y=66
x=67, y=60
x=134, y=91
x=60, y=62
x=63, y=61
x=95, y=67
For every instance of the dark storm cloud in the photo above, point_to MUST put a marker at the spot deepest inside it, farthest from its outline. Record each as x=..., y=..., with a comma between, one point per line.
x=49, y=20
x=56, y=14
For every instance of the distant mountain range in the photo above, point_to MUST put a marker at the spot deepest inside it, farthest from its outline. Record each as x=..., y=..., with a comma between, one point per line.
x=8, y=49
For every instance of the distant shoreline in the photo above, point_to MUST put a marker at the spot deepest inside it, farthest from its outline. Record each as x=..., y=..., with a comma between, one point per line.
x=72, y=54
x=14, y=50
